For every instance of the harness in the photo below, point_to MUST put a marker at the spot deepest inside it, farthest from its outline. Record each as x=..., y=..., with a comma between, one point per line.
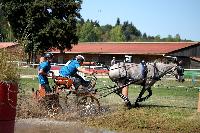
x=155, y=72
x=144, y=70
x=122, y=70
x=156, y=75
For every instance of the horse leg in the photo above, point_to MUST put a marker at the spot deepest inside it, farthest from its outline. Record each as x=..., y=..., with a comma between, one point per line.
x=125, y=98
x=140, y=96
x=146, y=97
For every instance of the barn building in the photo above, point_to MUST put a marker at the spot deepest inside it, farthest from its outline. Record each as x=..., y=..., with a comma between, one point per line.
x=103, y=52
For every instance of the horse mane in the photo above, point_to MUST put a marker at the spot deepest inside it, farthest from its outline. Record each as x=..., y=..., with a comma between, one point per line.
x=159, y=62
x=163, y=64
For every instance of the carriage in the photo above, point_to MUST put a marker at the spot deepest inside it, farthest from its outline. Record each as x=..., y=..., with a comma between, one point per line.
x=122, y=74
x=86, y=102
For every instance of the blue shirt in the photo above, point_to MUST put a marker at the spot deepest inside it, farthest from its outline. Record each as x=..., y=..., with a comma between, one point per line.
x=45, y=66
x=70, y=69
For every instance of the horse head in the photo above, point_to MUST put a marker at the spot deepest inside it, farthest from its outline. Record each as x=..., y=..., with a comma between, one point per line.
x=179, y=72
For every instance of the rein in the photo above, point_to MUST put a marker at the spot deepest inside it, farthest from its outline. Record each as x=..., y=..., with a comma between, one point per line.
x=156, y=71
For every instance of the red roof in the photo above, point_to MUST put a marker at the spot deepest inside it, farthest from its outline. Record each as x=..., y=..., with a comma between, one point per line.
x=6, y=44
x=122, y=47
x=129, y=47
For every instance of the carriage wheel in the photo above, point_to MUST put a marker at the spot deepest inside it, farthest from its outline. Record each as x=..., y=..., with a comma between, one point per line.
x=88, y=105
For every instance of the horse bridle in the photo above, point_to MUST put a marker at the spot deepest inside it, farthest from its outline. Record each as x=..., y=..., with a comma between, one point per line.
x=179, y=69
x=169, y=71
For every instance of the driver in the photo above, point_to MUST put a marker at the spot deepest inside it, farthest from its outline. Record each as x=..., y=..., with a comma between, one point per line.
x=70, y=71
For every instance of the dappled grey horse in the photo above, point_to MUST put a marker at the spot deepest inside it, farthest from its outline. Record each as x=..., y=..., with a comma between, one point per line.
x=144, y=74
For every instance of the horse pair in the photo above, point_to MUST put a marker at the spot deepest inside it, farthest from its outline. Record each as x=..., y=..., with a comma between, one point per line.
x=144, y=74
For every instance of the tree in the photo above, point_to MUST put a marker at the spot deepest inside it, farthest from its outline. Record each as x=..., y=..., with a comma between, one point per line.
x=87, y=32
x=2, y=29
x=150, y=38
x=177, y=38
x=169, y=38
x=144, y=36
x=131, y=33
x=106, y=32
x=5, y=29
x=118, y=22
x=116, y=34
x=43, y=24
x=157, y=38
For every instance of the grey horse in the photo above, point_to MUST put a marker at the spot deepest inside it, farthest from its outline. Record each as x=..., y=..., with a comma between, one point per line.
x=144, y=74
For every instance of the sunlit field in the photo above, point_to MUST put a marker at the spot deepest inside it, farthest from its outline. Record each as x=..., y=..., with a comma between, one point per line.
x=171, y=108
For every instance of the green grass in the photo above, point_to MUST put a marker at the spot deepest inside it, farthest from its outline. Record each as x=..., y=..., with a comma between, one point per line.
x=149, y=119
x=171, y=108
x=26, y=84
x=28, y=71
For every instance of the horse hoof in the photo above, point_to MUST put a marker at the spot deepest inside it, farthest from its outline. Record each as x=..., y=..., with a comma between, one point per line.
x=137, y=105
x=128, y=105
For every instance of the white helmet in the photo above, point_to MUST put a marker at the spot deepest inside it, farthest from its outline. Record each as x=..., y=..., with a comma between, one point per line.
x=80, y=58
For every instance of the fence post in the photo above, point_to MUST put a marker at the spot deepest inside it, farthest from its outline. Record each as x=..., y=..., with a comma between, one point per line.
x=198, y=109
x=193, y=79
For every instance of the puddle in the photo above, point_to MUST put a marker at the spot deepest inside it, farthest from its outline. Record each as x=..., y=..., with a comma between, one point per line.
x=36, y=125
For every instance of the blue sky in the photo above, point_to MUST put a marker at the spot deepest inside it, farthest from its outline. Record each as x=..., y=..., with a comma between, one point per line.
x=155, y=17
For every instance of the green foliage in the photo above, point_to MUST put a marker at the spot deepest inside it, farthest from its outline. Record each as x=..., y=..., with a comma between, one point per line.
x=9, y=69
x=91, y=31
x=177, y=38
x=5, y=29
x=43, y=24
x=106, y=32
x=88, y=32
x=130, y=32
x=118, y=22
x=116, y=34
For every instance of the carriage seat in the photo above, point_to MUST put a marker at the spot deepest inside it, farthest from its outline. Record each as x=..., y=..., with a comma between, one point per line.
x=63, y=81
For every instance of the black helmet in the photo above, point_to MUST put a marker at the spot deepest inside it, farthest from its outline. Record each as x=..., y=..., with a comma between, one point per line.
x=48, y=55
x=80, y=58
